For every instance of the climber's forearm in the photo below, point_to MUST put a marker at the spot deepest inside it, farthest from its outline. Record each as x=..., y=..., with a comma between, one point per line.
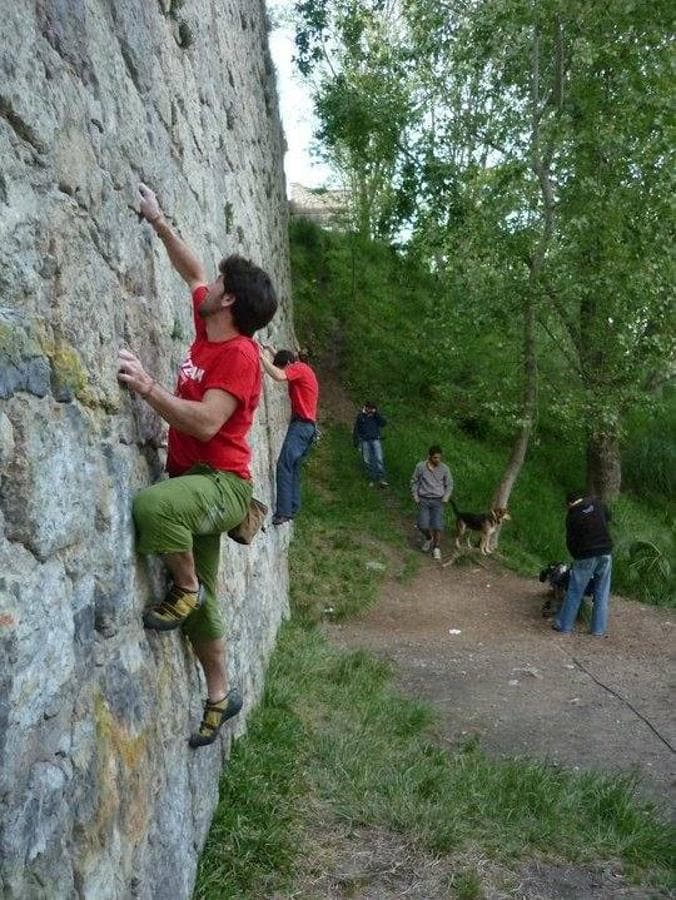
x=200, y=419
x=180, y=255
x=272, y=370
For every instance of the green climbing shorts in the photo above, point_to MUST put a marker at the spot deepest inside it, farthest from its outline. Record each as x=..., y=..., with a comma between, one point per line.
x=189, y=513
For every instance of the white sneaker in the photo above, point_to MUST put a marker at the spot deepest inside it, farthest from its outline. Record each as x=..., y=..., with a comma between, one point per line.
x=427, y=546
x=436, y=553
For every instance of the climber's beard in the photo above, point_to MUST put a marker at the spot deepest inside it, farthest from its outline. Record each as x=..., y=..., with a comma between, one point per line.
x=211, y=306
x=206, y=311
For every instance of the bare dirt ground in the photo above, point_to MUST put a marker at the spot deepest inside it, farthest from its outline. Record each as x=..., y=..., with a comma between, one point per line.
x=373, y=864
x=472, y=641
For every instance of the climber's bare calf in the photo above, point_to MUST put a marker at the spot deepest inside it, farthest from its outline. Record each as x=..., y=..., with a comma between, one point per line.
x=209, y=417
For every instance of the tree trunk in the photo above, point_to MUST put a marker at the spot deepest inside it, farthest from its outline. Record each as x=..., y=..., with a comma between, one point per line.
x=604, y=466
x=513, y=468
x=528, y=410
x=540, y=163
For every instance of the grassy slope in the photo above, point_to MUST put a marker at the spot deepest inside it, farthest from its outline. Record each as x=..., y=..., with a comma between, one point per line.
x=332, y=746
x=372, y=314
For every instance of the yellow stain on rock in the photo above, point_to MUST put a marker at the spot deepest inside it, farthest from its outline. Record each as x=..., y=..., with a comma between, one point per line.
x=67, y=367
x=122, y=796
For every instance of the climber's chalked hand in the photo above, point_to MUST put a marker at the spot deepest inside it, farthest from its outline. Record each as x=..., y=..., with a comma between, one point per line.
x=150, y=208
x=130, y=371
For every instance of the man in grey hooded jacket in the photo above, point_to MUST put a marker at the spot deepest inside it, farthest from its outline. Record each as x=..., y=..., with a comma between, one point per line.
x=431, y=486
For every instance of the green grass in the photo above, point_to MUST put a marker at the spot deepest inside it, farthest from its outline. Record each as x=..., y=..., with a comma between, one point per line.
x=342, y=539
x=332, y=735
x=254, y=837
x=332, y=744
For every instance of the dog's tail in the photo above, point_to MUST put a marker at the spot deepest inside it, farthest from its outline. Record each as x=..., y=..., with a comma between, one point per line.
x=454, y=506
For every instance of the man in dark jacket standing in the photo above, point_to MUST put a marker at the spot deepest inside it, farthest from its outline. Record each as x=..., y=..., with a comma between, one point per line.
x=367, y=436
x=589, y=543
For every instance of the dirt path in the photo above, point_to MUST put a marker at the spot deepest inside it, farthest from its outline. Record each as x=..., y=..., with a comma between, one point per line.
x=471, y=640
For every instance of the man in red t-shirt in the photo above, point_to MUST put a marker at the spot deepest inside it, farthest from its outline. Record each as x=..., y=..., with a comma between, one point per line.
x=209, y=415
x=303, y=394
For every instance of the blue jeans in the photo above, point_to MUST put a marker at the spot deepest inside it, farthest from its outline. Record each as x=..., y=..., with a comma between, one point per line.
x=372, y=455
x=295, y=448
x=581, y=572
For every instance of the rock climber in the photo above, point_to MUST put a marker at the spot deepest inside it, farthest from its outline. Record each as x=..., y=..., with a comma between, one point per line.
x=209, y=488
x=301, y=380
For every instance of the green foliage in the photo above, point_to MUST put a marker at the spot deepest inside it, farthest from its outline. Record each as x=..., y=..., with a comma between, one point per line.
x=649, y=566
x=371, y=313
x=528, y=150
x=375, y=314
x=363, y=102
x=649, y=458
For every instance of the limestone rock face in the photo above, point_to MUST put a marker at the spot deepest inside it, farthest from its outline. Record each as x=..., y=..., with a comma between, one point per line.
x=100, y=796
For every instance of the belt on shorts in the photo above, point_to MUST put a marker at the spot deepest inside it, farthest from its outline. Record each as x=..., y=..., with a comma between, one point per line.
x=302, y=419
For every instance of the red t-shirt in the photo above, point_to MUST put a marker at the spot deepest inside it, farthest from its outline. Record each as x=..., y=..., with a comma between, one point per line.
x=303, y=390
x=232, y=366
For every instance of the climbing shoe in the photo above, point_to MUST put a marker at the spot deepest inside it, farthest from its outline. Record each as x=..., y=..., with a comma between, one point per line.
x=215, y=714
x=174, y=609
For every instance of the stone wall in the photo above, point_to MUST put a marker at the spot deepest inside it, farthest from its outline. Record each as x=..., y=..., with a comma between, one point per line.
x=329, y=209
x=100, y=796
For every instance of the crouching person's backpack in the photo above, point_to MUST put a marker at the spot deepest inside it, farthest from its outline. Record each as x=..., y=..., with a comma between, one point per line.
x=252, y=522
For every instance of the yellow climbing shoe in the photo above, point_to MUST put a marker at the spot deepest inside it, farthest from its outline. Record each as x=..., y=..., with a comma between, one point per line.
x=174, y=609
x=215, y=714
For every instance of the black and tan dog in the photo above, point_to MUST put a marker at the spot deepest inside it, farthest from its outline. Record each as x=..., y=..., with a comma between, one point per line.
x=486, y=523
x=557, y=576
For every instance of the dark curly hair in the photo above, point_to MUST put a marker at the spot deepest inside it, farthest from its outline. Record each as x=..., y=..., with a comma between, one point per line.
x=255, y=299
x=283, y=358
